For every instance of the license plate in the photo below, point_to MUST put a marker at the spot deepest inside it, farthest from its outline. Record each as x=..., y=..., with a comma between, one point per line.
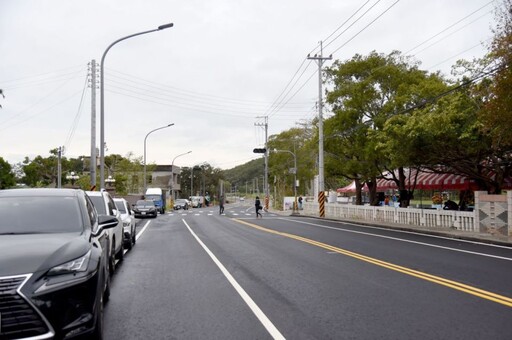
x=143, y=213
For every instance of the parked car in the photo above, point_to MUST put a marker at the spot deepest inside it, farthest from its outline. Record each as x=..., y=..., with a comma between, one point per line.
x=197, y=201
x=128, y=218
x=181, y=203
x=54, y=274
x=105, y=205
x=145, y=208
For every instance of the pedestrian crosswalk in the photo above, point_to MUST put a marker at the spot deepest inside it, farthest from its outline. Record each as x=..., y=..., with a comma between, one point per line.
x=210, y=212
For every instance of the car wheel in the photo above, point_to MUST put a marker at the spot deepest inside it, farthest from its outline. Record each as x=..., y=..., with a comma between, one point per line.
x=120, y=253
x=106, y=293
x=97, y=334
x=112, y=262
x=129, y=243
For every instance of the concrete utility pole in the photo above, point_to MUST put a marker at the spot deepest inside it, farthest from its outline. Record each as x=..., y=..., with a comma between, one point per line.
x=265, y=178
x=92, y=163
x=321, y=186
x=59, y=166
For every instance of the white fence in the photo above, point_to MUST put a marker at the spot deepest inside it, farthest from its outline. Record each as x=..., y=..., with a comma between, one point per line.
x=424, y=218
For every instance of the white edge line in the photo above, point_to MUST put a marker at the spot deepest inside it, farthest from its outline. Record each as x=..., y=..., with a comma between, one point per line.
x=402, y=240
x=142, y=230
x=265, y=321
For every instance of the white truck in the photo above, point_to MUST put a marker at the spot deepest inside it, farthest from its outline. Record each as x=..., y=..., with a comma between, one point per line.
x=157, y=195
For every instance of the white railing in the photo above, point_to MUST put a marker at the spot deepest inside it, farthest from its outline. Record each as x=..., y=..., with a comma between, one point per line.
x=424, y=218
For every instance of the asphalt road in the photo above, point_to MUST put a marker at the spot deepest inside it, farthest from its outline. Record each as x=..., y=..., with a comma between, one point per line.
x=198, y=275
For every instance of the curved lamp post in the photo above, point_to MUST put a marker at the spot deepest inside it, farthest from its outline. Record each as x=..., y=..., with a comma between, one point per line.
x=160, y=128
x=102, y=101
x=294, y=177
x=73, y=177
x=172, y=176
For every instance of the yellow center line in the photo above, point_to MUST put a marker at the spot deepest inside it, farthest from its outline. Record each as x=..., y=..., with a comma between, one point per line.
x=504, y=300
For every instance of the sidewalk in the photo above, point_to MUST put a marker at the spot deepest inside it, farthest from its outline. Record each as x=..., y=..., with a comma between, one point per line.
x=451, y=233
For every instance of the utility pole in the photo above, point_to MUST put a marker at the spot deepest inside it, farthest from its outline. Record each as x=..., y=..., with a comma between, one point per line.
x=92, y=162
x=265, y=179
x=59, y=166
x=321, y=186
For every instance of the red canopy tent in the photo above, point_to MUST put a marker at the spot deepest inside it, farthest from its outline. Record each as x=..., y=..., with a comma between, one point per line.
x=430, y=181
x=425, y=180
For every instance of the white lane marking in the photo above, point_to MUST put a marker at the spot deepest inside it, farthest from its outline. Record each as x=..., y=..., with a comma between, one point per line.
x=265, y=321
x=139, y=234
x=402, y=240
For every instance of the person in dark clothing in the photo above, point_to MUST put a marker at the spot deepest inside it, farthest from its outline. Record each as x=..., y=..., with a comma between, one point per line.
x=450, y=205
x=257, y=205
x=221, y=205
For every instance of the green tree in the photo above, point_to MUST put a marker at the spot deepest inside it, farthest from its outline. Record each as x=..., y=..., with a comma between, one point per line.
x=468, y=129
x=366, y=92
x=7, y=178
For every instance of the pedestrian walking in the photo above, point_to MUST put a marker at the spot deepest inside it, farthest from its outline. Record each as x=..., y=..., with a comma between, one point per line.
x=221, y=205
x=257, y=205
x=300, y=202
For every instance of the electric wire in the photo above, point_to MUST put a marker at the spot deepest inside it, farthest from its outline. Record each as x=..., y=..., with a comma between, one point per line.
x=76, y=120
x=447, y=28
x=365, y=27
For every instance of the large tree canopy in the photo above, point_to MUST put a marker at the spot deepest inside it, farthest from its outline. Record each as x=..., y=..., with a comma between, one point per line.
x=7, y=178
x=367, y=91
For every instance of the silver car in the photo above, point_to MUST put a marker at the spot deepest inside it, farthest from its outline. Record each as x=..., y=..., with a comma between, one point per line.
x=128, y=218
x=105, y=205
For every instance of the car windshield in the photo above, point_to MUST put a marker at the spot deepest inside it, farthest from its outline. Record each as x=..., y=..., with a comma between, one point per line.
x=154, y=197
x=120, y=206
x=27, y=215
x=145, y=204
x=181, y=201
x=99, y=204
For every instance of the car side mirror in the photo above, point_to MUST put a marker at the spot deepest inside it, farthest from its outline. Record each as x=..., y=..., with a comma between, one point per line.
x=105, y=222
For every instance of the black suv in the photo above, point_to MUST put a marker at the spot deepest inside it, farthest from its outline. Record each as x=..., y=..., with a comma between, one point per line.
x=53, y=264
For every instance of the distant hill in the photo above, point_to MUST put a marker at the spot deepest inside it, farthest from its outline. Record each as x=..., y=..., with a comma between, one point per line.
x=241, y=174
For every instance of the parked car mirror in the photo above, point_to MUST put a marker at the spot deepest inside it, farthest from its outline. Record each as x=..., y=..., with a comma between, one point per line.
x=106, y=222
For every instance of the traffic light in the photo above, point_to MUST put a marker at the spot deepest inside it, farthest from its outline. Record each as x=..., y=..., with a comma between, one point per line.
x=263, y=150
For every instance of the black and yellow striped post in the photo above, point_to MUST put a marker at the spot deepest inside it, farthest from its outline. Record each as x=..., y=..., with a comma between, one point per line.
x=321, y=201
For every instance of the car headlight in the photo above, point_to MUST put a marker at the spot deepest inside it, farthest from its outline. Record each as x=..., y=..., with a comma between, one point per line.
x=77, y=265
x=66, y=274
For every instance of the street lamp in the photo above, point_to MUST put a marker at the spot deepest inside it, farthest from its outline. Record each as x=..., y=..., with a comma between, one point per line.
x=160, y=128
x=73, y=177
x=172, y=175
x=110, y=180
x=294, y=177
x=102, y=101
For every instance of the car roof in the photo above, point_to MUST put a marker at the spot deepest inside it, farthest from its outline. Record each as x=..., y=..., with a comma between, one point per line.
x=39, y=192
x=95, y=193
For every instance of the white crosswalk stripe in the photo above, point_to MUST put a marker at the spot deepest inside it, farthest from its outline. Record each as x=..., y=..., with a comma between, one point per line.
x=228, y=213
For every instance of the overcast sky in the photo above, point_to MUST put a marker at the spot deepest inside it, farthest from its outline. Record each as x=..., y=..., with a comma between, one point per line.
x=222, y=65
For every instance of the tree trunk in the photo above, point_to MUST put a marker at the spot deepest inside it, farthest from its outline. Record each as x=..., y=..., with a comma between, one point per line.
x=359, y=195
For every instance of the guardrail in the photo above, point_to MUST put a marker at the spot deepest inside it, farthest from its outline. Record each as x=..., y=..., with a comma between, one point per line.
x=424, y=218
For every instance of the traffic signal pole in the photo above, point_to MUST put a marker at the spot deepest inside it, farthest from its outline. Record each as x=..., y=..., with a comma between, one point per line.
x=265, y=178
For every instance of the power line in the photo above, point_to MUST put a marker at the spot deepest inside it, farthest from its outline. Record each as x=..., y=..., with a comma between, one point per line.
x=447, y=28
x=365, y=27
x=77, y=117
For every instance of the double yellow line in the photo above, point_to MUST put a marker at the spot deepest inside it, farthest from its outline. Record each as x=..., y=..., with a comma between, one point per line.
x=503, y=300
